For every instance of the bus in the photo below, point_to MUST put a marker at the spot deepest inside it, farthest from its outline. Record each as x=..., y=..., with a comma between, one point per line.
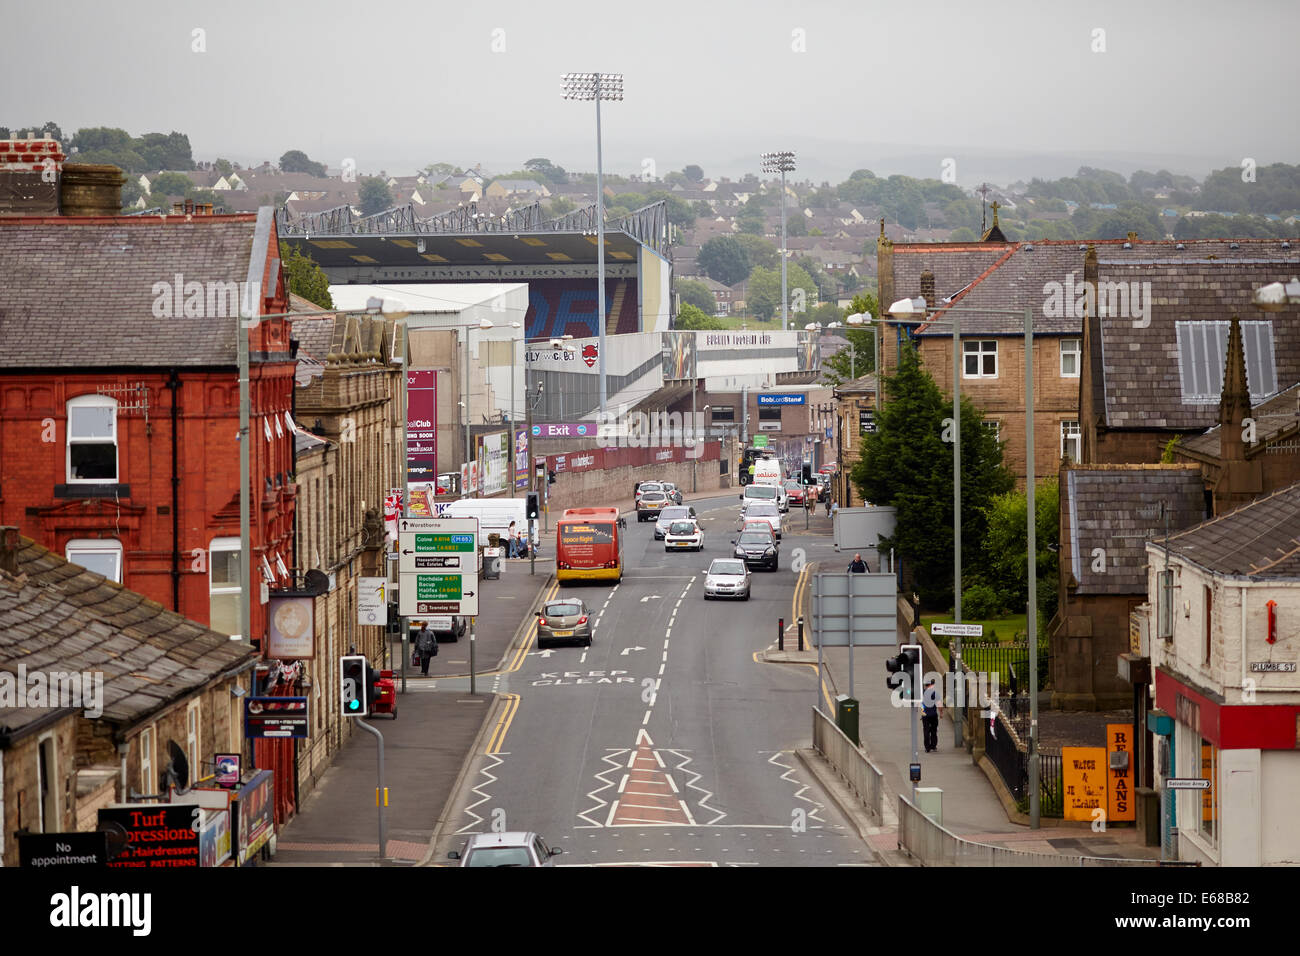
x=589, y=545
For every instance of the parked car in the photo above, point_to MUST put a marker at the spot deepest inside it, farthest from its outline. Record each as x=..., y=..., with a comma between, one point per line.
x=684, y=534
x=565, y=619
x=642, y=487
x=757, y=547
x=650, y=504
x=761, y=511
x=673, y=492
x=670, y=514
x=727, y=577
x=447, y=628
x=512, y=848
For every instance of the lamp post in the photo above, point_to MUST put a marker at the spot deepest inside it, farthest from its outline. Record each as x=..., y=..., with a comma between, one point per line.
x=905, y=308
x=597, y=86
x=782, y=162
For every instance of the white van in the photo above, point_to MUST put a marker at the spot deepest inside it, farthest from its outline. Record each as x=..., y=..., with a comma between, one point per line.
x=769, y=494
x=494, y=516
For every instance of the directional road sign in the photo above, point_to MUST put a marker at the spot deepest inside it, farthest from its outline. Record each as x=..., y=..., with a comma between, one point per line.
x=958, y=630
x=437, y=566
x=1187, y=783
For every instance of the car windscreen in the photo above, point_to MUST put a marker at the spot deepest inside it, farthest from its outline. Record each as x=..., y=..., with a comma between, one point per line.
x=500, y=856
x=563, y=610
x=650, y=486
x=750, y=537
x=760, y=491
x=727, y=567
x=682, y=527
x=759, y=511
x=668, y=514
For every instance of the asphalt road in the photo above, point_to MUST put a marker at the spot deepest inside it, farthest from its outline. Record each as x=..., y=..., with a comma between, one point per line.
x=665, y=742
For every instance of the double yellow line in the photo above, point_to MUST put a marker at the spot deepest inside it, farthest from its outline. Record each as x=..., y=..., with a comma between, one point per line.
x=511, y=707
x=796, y=602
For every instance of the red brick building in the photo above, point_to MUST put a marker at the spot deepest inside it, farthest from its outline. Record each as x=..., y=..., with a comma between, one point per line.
x=119, y=402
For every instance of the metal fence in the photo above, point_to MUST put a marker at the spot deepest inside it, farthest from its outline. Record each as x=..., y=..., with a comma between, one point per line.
x=862, y=776
x=932, y=845
x=1006, y=746
x=1010, y=662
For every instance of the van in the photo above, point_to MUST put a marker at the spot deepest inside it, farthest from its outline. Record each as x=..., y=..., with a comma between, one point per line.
x=770, y=494
x=494, y=516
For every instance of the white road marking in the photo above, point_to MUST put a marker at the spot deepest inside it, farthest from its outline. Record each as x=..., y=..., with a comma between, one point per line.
x=483, y=796
x=622, y=783
x=646, y=719
x=661, y=669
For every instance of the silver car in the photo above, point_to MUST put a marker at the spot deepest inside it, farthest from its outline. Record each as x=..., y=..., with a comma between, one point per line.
x=564, y=619
x=506, y=849
x=762, y=511
x=727, y=577
x=668, y=515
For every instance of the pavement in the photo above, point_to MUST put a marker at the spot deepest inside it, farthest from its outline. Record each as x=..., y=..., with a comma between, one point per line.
x=427, y=750
x=972, y=806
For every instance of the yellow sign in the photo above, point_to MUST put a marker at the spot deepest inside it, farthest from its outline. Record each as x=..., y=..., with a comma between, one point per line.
x=1119, y=786
x=1083, y=772
x=1207, y=773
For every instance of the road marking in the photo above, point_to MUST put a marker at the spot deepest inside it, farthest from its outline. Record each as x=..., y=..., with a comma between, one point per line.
x=661, y=669
x=583, y=658
x=646, y=719
x=503, y=724
x=483, y=796
x=622, y=783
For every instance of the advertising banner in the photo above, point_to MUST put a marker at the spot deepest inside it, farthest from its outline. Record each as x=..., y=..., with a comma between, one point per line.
x=521, y=458
x=214, y=839
x=292, y=628
x=422, y=425
x=276, y=717
x=160, y=835
x=495, y=459
x=254, y=807
x=679, y=355
x=1119, y=785
x=1083, y=772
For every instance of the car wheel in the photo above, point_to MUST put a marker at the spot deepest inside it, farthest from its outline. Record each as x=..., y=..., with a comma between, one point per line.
x=541, y=644
x=588, y=641
x=746, y=595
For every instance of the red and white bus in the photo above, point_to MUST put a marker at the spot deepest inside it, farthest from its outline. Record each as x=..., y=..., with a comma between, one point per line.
x=589, y=545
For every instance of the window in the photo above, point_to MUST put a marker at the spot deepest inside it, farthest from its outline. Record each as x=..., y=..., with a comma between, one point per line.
x=1209, y=609
x=981, y=359
x=1071, y=440
x=192, y=740
x=223, y=586
x=766, y=414
x=994, y=426
x=103, y=556
x=1202, y=354
x=92, y=439
x=47, y=779
x=1071, y=350
x=724, y=413
x=147, y=782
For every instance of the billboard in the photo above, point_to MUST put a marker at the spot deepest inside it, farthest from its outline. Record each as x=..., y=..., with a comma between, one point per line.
x=809, y=352
x=679, y=355
x=159, y=835
x=494, y=461
x=521, y=458
x=1083, y=773
x=421, y=425
x=292, y=628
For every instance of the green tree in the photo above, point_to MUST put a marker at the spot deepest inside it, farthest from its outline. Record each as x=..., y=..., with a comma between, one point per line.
x=548, y=170
x=761, y=252
x=223, y=167
x=702, y=209
x=170, y=184
x=165, y=151
x=131, y=191
x=693, y=173
x=724, y=260
x=375, y=195
x=751, y=220
x=1002, y=565
x=689, y=317
x=697, y=294
x=843, y=365
x=764, y=293
x=305, y=277
x=561, y=205
x=296, y=161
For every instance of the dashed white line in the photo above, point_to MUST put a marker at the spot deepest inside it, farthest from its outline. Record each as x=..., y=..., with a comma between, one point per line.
x=661, y=669
x=622, y=783
x=646, y=719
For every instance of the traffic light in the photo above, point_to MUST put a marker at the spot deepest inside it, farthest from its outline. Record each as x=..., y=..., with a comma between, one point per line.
x=550, y=477
x=354, y=686
x=807, y=473
x=533, y=508
x=901, y=669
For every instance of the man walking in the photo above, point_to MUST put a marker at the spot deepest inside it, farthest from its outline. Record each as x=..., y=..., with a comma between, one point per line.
x=858, y=566
x=930, y=708
x=426, y=645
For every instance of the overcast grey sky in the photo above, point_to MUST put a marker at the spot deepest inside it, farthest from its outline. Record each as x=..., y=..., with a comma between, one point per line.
x=394, y=85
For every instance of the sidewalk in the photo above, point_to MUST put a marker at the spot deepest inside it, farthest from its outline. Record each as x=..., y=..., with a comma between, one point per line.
x=427, y=750
x=972, y=807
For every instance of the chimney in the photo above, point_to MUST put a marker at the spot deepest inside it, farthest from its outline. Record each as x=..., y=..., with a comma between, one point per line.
x=29, y=176
x=9, y=543
x=91, y=189
x=927, y=289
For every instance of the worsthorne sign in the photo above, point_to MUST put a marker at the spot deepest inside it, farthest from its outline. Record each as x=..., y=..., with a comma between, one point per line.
x=782, y=399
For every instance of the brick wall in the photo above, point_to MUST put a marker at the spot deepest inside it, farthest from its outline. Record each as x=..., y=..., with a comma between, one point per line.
x=22, y=791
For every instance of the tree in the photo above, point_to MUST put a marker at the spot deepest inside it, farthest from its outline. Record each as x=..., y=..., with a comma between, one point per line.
x=675, y=178
x=696, y=294
x=560, y=205
x=796, y=225
x=694, y=173
x=305, y=277
x=548, y=170
x=724, y=260
x=296, y=161
x=751, y=220
x=169, y=151
x=689, y=317
x=223, y=167
x=761, y=252
x=907, y=464
x=764, y=293
x=702, y=209
x=131, y=191
x=1003, y=566
x=844, y=365
x=375, y=195
x=170, y=184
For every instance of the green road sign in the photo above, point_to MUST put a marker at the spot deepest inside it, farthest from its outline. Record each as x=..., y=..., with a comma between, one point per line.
x=425, y=543
x=438, y=587
x=760, y=441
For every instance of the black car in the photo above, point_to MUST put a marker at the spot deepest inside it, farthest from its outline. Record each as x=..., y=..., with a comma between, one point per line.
x=758, y=548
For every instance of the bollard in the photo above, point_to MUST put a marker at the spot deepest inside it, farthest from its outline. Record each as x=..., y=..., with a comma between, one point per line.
x=780, y=633
x=801, y=632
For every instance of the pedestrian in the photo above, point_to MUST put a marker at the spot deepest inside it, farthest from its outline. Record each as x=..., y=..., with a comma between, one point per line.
x=835, y=509
x=930, y=708
x=512, y=543
x=426, y=645
x=828, y=504
x=521, y=545
x=858, y=566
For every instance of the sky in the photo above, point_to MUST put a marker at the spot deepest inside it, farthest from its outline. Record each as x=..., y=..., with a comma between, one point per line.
x=1015, y=88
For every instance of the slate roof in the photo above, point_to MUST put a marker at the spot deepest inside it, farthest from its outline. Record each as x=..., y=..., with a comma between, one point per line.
x=1204, y=281
x=1278, y=416
x=55, y=615
x=1260, y=540
x=80, y=293
x=1117, y=508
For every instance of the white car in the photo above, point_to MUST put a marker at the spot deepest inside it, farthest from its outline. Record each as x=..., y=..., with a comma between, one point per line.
x=684, y=534
x=727, y=577
x=763, y=511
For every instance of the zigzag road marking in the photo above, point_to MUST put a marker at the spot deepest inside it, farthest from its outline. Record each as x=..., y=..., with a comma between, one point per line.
x=799, y=794
x=486, y=771
x=645, y=798
x=708, y=794
x=614, y=759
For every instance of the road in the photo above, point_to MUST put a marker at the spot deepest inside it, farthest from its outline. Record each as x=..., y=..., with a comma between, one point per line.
x=666, y=741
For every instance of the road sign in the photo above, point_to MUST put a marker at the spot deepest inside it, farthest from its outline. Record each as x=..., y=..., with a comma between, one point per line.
x=958, y=630
x=1187, y=783
x=760, y=441
x=437, y=566
x=372, y=601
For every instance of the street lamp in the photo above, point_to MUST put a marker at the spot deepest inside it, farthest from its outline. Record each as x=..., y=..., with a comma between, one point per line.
x=597, y=86
x=905, y=309
x=782, y=162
